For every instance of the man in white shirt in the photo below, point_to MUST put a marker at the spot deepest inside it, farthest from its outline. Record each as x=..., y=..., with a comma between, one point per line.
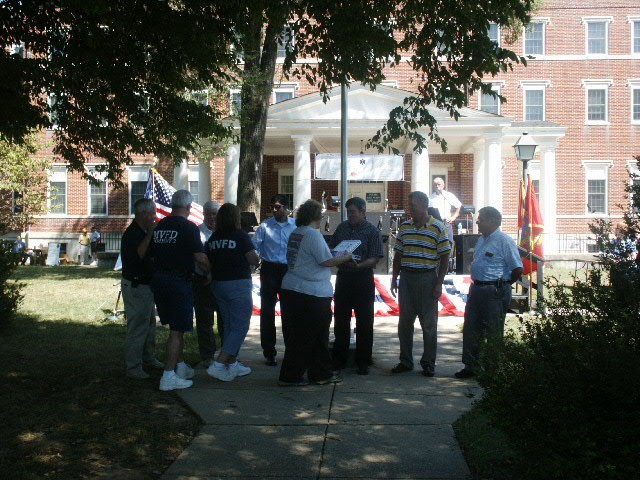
x=446, y=203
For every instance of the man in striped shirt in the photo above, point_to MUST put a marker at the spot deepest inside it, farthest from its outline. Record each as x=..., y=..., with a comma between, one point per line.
x=421, y=257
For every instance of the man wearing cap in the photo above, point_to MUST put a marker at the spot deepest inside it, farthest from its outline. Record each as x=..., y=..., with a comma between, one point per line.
x=270, y=241
x=176, y=250
x=83, y=250
x=136, y=291
x=496, y=266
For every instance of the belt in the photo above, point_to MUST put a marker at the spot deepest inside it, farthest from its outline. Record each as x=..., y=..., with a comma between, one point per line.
x=496, y=283
x=273, y=263
x=417, y=270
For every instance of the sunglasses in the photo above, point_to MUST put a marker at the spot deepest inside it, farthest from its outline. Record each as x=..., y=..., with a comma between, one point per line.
x=276, y=207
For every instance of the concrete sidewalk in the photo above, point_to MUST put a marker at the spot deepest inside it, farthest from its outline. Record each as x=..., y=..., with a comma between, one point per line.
x=375, y=426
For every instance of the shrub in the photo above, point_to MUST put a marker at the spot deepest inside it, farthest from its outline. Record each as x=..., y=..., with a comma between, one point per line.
x=10, y=290
x=566, y=388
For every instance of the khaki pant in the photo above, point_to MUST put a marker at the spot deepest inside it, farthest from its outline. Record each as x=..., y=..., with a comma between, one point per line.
x=141, y=324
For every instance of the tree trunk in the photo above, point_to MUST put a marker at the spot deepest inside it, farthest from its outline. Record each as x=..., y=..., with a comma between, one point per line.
x=259, y=71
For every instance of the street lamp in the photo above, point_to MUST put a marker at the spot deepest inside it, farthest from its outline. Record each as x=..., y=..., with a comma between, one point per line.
x=525, y=149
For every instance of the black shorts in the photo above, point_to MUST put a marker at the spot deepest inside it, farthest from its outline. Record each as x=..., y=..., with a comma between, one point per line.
x=173, y=296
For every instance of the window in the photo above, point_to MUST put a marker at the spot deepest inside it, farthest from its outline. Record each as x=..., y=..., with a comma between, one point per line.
x=98, y=194
x=285, y=43
x=235, y=103
x=534, y=38
x=489, y=103
x=597, y=173
x=201, y=97
x=138, y=178
x=597, y=100
x=597, y=35
x=494, y=33
x=534, y=105
x=285, y=184
x=58, y=191
x=635, y=35
x=634, y=86
x=54, y=114
x=283, y=92
x=194, y=177
x=18, y=49
x=389, y=83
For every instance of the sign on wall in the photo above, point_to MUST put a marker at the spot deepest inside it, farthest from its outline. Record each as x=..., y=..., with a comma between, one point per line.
x=360, y=167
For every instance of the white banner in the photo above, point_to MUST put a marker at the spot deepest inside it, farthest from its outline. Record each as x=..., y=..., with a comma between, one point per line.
x=360, y=167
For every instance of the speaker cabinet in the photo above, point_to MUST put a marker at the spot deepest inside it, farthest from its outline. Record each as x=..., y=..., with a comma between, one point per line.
x=464, y=254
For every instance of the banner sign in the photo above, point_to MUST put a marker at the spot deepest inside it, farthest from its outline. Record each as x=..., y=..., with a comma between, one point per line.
x=360, y=167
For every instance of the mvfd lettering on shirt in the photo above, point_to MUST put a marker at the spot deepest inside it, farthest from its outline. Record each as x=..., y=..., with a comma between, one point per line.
x=165, y=236
x=223, y=244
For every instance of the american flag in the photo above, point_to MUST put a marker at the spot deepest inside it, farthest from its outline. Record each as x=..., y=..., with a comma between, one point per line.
x=161, y=191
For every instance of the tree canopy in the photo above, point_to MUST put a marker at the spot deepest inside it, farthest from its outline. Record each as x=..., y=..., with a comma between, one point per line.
x=117, y=70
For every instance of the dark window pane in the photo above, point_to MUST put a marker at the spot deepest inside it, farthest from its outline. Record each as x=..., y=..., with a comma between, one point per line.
x=136, y=193
x=596, y=196
x=57, y=197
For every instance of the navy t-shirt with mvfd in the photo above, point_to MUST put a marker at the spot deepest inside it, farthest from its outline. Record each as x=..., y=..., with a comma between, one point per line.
x=175, y=240
x=227, y=254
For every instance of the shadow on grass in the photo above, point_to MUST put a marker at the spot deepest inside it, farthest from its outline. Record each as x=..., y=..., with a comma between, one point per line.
x=63, y=272
x=68, y=411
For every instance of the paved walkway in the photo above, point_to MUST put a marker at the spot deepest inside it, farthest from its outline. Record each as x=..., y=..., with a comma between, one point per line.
x=374, y=426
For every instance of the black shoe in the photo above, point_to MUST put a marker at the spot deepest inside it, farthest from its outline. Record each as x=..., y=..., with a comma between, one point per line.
x=464, y=373
x=401, y=368
x=427, y=373
x=332, y=379
x=299, y=383
x=363, y=370
x=271, y=360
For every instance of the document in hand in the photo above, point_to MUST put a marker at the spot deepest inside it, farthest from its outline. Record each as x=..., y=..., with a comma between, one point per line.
x=345, y=246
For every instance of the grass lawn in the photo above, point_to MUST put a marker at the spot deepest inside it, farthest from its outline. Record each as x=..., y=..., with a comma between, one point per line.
x=68, y=410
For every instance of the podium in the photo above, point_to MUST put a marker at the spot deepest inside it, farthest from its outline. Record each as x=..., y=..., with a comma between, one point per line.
x=464, y=245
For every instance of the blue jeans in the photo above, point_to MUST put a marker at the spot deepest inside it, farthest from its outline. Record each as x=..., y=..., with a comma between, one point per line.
x=236, y=305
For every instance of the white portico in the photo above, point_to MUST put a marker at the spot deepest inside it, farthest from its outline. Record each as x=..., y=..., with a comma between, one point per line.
x=478, y=143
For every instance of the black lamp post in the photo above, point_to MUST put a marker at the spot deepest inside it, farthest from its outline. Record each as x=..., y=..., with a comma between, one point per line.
x=525, y=149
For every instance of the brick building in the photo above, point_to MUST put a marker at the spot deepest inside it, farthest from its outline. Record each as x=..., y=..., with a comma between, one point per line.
x=579, y=97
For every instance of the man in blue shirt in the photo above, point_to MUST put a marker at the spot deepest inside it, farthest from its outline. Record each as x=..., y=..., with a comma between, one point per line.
x=270, y=241
x=496, y=266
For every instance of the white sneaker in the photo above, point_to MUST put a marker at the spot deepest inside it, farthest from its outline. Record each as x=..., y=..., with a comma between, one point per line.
x=240, y=369
x=183, y=370
x=174, y=382
x=221, y=372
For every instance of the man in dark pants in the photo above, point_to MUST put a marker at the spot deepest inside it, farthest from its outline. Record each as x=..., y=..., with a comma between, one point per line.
x=270, y=242
x=204, y=301
x=355, y=289
x=496, y=266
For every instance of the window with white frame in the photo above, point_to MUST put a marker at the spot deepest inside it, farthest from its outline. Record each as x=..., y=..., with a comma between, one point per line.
x=534, y=99
x=597, y=187
x=494, y=33
x=634, y=86
x=54, y=115
x=635, y=35
x=138, y=179
x=285, y=42
x=98, y=193
x=632, y=168
x=389, y=83
x=58, y=190
x=597, y=101
x=597, y=35
x=489, y=103
x=285, y=184
x=194, y=184
x=283, y=92
x=235, y=102
x=534, y=38
x=200, y=96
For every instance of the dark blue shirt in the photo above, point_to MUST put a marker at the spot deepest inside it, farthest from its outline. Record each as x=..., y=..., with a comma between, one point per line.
x=227, y=255
x=134, y=268
x=175, y=240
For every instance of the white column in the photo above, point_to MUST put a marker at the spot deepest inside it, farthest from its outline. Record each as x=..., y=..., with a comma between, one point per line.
x=204, y=181
x=301, y=169
x=231, y=170
x=479, y=177
x=493, y=171
x=548, y=196
x=420, y=172
x=181, y=176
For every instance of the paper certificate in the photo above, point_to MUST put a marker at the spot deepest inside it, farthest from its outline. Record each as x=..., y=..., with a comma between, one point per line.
x=346, y=246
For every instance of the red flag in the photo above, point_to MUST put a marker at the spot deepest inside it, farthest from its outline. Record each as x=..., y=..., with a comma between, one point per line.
x=521, y=204
x=532, y=227
x=161, y=191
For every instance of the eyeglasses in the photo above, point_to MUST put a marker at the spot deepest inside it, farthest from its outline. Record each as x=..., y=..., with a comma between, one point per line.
x=276, y=207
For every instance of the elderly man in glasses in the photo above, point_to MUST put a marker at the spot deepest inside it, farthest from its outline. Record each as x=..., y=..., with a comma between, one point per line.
x=446, y=203
x=270, y=241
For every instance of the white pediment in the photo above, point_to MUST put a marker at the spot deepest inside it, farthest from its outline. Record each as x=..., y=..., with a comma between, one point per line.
x=364, y=104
